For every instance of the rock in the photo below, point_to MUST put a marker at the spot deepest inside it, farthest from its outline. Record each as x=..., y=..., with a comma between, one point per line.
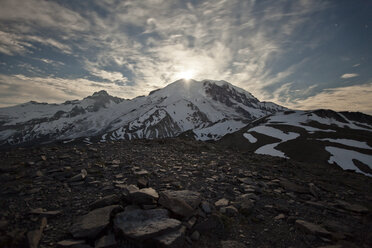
x=91, y=224
x=173, y=239
x=206, y=207
x=142, y=182
x=39, y=173
x=147, y=196
x=70, y=243
x=105, y=201
x=331, y=246
x=143, y=224
x=3, y=225
x=221, y=203
x=106, y=241
x=34, y=236
x=212, y=223
x=43, y=157
x=312, y=228
x=246, y=207
x=42, y=211
x=79, y=177
x=139, y=172
x=182, y=202
x=246, y=180
x=249, y=196
x=351, y=207
x=191, y=222
x=195, y=236
x=290, y=186
x=232, y=244
x=314, y=190
x=144, y=196
x=279, y=217
x=229, y=211
x=115, y=161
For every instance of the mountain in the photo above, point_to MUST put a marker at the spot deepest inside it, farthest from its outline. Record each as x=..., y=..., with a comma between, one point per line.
x=319, y=137
x=210, y=109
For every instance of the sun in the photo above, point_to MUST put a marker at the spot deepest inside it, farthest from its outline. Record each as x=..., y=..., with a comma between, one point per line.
x=188, y=74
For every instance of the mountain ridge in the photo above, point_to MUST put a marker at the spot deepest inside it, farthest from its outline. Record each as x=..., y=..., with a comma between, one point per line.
x=180, y=106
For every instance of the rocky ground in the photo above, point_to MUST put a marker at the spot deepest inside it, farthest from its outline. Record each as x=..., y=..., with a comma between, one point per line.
x=176, y=193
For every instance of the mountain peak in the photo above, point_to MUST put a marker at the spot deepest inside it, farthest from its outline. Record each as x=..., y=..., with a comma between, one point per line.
x=100, y=93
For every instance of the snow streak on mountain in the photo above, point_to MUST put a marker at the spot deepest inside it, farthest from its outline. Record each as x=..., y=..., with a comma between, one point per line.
x=210, y=109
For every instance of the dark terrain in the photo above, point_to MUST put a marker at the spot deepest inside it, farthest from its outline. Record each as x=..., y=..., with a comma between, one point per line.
x=232, y=198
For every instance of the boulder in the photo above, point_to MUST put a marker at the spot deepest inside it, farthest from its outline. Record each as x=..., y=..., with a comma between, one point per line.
x=144, y=224
x=91, y=224
x=181, y=202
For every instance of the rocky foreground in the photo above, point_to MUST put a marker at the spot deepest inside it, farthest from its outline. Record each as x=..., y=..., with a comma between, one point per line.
x=176, y=193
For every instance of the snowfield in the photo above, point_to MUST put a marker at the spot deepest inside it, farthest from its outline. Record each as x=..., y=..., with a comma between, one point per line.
x=275, y=133
x=344, y=158
x=348, y=142
x=250, y=137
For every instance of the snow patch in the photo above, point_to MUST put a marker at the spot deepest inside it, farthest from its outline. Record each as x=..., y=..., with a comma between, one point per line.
x=349, y=142
x=276, y=133
x=344, y=158
x=250, y=137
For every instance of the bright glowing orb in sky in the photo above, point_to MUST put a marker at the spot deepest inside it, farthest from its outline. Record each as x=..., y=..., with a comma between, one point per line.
x=187, y=74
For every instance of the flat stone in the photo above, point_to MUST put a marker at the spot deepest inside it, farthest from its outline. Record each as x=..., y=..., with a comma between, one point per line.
x=351, y=207
x=173, y=239
x=106, y=241
x=143, y=224
x=42, y=211
x=246, y=180
x=206, y=207
x=279, y=217
x=91, y=224
x=229, y=211
x=142, y=182
x=232, y=244
x=181, y=202
x=312, y=228
x=290, y=186
x=222, y=203
x=81, y=176
x=144, y=196
x=34, y=236
x=70, y=243
x=105, y=201
x=246, y=207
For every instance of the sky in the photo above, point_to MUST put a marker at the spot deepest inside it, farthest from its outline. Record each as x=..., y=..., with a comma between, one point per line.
x=304, y=54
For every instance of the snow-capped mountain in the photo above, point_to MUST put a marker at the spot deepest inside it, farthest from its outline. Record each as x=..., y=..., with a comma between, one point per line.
x=210, y=109
x=320, y=136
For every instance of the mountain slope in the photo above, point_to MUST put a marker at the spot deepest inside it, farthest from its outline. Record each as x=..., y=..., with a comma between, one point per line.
x=320, y=136
x=209, y=108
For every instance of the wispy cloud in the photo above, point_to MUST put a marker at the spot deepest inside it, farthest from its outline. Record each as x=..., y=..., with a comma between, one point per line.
x=137, y=46
x=17, y=89
x=349, y=75
x=351, y=98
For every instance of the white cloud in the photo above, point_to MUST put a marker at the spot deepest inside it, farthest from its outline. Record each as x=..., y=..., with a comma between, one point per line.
x=38, y=13
x=351, y=98
x=17, y=89
x=349, y=75
x=111, y=76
